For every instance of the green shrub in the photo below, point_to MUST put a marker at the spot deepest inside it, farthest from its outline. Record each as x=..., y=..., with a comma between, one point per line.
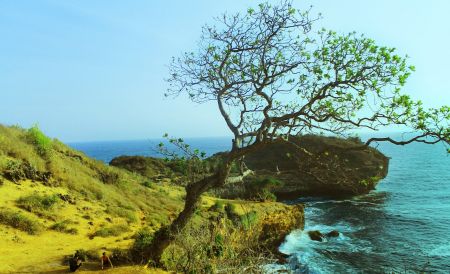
x=38, y=203
x=20, y=221
x=218, y=206
x=85, y=255
x=230, y=210
x=62, y=226
x=114, y=230
x=42, y=143
x=121, y=256
x=143, y=238
x=13, y=171
x=149, y=184
x=16, y=170
x=129, y=215
x=260, y=188
x=249, y=219
x=108, y=176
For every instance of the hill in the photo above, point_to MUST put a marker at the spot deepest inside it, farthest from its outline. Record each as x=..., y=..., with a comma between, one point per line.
x=55, y=200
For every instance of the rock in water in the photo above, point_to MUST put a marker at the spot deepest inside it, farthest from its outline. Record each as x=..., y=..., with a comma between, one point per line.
x=333, y=233
x=315, y=235
x=321, y=166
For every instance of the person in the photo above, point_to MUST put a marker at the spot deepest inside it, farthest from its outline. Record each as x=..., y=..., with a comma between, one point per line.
x=74, y=263
x=105, y=260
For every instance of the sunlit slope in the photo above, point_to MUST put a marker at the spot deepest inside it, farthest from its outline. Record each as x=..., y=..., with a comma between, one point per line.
x=55, y=200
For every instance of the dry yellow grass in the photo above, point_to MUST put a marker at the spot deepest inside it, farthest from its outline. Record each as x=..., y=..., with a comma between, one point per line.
x=22, y=252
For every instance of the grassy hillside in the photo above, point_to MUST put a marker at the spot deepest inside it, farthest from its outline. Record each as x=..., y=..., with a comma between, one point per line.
x=80, y=203
x=55, y=200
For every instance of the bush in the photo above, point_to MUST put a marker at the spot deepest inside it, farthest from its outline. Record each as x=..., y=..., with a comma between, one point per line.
x=14, y=171
x=108, y=176
x=17, y=170
x=129, y=215
x=230, y=210
x=249, y=219
x=260, y=188
x=63, y=227
x=120, y=256
x=143, y=238
x=114, y=230
x=38, y=203
x=148, y=184
x=218, y=206
x=42, y=143
x=20, y=221
x=85, y=255
x=212, y=249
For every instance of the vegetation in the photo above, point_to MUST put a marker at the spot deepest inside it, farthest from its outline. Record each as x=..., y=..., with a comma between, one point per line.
x=38, y=203
x=113, y=230
x=62, y=226
x=20, y=221
x=272, y=76
x=42, y=143
x=128, y=214
x=260, y=188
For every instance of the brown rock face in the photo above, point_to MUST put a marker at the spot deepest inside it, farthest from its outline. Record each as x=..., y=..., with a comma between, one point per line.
x=275, y=226
x=323, y=166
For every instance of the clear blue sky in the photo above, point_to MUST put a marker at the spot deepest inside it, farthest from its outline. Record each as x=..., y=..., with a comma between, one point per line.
x=94, y=69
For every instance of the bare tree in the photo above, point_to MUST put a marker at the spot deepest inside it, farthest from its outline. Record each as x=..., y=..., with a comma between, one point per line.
x=272, y=77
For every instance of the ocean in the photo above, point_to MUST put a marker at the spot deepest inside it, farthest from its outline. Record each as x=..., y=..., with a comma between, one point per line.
x=403, y=226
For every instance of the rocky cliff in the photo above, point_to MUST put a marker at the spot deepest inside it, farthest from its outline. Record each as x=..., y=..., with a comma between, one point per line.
x=320, y=166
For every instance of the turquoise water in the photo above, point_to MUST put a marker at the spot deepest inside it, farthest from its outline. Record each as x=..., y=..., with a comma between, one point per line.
x=403, y=226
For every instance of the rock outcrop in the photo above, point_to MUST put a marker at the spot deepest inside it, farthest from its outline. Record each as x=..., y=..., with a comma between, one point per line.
x=320, y=166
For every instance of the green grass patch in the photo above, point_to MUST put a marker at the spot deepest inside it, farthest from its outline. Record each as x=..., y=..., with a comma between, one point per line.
x=128, y=214
x=109, y=231
x=19, y=221
x=63, y=226
x=249, y=219
x=42, y=143
x=36, y=203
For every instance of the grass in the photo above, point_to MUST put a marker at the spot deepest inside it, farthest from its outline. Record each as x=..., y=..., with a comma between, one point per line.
x=114, y=230
x=40, y=204
x=19, y=221
x=127, y=214
x=42, y=143
x=62, y=226
x=249, y=219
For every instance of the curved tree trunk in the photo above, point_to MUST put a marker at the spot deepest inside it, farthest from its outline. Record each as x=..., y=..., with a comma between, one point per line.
x=166, y=235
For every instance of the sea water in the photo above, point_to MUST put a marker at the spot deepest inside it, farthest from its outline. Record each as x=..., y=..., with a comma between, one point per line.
x=403, y=226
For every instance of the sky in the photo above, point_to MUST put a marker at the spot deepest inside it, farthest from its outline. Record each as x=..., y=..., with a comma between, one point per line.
x=91, y=70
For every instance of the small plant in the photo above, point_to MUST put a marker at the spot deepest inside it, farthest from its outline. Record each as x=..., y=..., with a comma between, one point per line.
x=249, y=219
x=121, y=256
x=218, y=206
x=370, y=181
x=114, y=230
x=20, y=221
x=38, y=203
x=129, y=215
x=143, y=238
x=260, y=188
x=62, y=226
x=148, y=184
x=85, y=255
x=13, y=171
x=42, y=143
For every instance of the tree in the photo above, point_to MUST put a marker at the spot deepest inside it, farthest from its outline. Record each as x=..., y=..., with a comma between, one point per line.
x=272, y=77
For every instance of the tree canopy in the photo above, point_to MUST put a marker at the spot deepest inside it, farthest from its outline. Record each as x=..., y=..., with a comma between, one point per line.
x=273, y=76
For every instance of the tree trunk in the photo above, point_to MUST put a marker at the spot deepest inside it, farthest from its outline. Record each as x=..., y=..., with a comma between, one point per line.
x=166, y=235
